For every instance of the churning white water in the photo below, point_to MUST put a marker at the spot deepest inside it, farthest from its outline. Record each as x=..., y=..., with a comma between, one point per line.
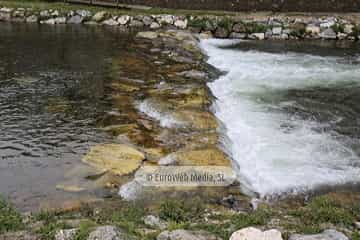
x=278, y=152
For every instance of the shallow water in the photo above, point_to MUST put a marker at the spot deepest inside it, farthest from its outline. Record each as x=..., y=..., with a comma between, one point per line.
x=291, y=113
x=54, y=97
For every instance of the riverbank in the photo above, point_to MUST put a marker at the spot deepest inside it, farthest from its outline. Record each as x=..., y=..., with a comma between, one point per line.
x=256, y=26
x=187, y=219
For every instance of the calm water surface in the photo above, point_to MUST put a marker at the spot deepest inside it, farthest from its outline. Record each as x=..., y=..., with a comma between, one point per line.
x=53, y=98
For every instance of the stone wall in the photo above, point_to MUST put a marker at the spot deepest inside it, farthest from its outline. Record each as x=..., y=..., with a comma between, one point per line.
x=251, y=5
x=267, y=27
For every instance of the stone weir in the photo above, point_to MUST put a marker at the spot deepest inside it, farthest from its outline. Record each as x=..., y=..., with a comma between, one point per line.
x=241, y=26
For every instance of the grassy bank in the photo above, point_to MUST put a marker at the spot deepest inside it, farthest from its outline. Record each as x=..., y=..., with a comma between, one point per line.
x=331, y=211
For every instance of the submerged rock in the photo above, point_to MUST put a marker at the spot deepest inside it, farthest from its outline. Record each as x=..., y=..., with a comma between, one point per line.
x=252, y=233
x=117, y=158
x=181, y=234
x=326, y=235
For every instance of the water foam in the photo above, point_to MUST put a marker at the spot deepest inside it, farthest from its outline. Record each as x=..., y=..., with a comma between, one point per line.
x=273, y=160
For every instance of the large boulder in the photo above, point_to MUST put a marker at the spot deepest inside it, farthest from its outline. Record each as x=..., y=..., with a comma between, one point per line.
x=181, y=234
x=326, y=235
x=117, y=158
x=252, y=233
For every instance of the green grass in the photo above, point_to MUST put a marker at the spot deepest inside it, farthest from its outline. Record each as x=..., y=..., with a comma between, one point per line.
x=10, y=218
x=179, y=211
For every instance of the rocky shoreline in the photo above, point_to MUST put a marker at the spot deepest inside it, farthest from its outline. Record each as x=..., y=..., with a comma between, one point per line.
x=242, y=26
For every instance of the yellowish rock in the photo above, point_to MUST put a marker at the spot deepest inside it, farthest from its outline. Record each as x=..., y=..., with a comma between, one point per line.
x=117, y=158
x=204, y=157
x=197, y=119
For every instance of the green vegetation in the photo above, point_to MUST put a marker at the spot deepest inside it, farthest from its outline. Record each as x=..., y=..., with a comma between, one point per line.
x=181, y=211
x=338, y=28
x=356, y=236
x=84, y=230
x=226, y=23
x=254, y=27
x=10, y=219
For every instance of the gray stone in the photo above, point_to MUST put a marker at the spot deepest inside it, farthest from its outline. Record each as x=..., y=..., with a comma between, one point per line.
x=168, y=160
x=147, y=20
x=136, y=24
x=44, y=14
x=181, y=234
x=77, y=19
x=5, y=16
x=268, y=33
x=166, y=19
x=357, y=225
x=67, y=234
x=55, y=13
x=182, y=24
x=148, y=35
x=326, y=235
x=156, y=222
x=327, y=24
x=131, y=190
x=239, y=28
x=84, y=13
x=32, y=19
x=110, y=22
x=252, y=233
x=52, y=21
x=257, y=36
x=123, y=20
x=107, y=233
x=328, y=34
x=6, y=10
x=221, y=32
x=277, y=30
x=312, y=29
x=348, y=28
x=21, y=235
x=236, y=35
x=100, y=16
x=18, y=14
x=155, y=25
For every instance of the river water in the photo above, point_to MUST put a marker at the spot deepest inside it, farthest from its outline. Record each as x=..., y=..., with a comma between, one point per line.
x=54, y=98
x=291, y=113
